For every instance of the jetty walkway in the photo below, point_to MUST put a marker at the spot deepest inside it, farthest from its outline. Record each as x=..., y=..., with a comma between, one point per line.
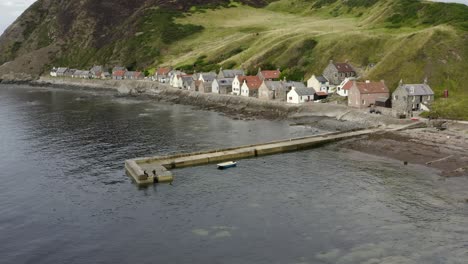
x=161, y=165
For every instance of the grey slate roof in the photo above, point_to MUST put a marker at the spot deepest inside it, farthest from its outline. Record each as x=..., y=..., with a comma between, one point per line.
x=61, y=70
x=187, y=80
x=96, y=69
x=418, y=89
x=129, y=74
x=274, y=85
x=321, y=79
x=209, y=76
x=118, y=68
x=232, y=73
x=225, y=82
x=294, y=84
x=305, y=91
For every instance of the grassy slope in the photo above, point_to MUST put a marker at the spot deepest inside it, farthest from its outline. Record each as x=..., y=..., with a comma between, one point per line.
x=250, y=37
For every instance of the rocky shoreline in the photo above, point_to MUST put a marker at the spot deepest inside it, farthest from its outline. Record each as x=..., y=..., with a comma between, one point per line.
x=332, y=116
x=446, y=150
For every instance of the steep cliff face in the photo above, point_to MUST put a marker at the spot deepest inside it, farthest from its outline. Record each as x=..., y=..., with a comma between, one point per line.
x=90, y=31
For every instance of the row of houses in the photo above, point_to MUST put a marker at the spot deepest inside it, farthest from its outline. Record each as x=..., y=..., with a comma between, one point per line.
x=265, y=85
x=342, y=79
x=339, y=78
x=98, y=72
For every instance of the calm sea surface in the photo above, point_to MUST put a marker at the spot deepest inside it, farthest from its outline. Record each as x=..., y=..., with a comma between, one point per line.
x=65, y=198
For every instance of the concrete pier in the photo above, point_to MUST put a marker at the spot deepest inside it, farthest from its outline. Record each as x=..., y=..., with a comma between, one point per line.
x=162, y=164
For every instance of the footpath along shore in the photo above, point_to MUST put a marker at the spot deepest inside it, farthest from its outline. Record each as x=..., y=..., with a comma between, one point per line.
x=446, y=150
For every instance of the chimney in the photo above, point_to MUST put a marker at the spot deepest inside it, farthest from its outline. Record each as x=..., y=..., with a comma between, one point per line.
x=346, y=61
x=367, y=81
x=401, y=82
x=425, y=80
x=382, y=81
x=331, y=61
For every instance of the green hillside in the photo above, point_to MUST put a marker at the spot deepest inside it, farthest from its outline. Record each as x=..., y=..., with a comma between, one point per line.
x=384, y=39
x=301, y=38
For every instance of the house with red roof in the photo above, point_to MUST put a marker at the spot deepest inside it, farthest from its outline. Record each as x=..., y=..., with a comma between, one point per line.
x=118, y=75
x=365, y=94
x=271, y=75
x=343, y=88
x=250, y=85
x=162, y=74
x=336, y=72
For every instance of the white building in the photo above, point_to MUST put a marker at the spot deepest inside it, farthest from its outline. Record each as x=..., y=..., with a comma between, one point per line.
x=236, y=85
x=300, y=95
x=343, y=88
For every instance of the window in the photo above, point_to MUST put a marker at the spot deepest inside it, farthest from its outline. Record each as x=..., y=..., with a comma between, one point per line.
x=290, y=98
x=363, y=102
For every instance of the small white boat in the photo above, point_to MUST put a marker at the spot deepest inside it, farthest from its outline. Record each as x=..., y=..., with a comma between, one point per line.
x=226, y=165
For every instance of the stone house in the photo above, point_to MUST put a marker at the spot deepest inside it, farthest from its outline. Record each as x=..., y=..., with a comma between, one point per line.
x=82, y=74
x=118, y=68
x=207, y=76
x=205, y=87
x=250, y=85
x=118, y=75
x=96, y=71
x=300, y=95
x=336, y=72
x=222, y=86
x=270, y=75
x=195, y=85
x=268, y=89
x=162, y=74
x=409, y=98
x=230, y=73
x=187, y=81
x=69, y=72
x=365, y=94
x=105, y=75
x=61, y=71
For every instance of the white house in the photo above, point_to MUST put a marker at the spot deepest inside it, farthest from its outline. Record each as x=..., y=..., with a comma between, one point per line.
x=53, y=72
x=343, y=88
x=300, y=95
x=250, y=85
x=173, y=77
x=236, y=85
x=177, y=81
